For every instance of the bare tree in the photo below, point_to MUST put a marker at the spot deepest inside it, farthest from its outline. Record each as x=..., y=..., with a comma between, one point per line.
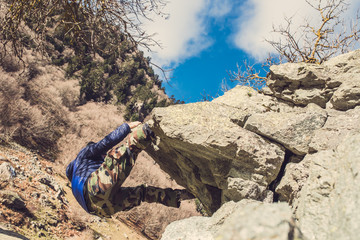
x=311, y=42
x=85, y=21
x=317, y=42
x=252, y=76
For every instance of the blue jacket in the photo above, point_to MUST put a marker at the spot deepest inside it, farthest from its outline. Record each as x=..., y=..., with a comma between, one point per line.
x=89, y=160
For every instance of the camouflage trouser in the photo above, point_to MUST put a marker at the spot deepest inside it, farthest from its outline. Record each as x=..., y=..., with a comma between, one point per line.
x=103, y=189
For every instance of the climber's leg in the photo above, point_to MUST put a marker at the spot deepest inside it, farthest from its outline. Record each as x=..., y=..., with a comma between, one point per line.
x=168, y=197
x=126, y=198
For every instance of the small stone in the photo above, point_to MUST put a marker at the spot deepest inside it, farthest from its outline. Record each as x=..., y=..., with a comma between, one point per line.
x=7, y=171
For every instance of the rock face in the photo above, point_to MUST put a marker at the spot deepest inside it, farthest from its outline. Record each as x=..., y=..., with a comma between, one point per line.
x=329, y=200
x=204, y=150
x=334, y=83
x=238, y=221
x=293, y=129
x=296, y=142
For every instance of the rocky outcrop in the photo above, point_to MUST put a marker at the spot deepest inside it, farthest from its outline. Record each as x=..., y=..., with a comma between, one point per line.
x=204, y=149
x=333, y=84
x=328, y=204
x=238, y=221
x=296, y=142
x=293, y=129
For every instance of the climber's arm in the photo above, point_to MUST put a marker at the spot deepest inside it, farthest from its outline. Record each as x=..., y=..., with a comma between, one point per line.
x=109, y=141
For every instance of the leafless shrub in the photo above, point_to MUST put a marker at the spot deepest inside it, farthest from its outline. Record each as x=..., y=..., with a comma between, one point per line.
x=10, y=99
x=91, y=122
x=65, y=92
x=85, y=22
x=9, y=63
x=29, y=116
x=206, y=97
x=249, y=77
x=70, y=98
x=224, y=86
x=311, y=42
x=32, y=71
x=317, y=42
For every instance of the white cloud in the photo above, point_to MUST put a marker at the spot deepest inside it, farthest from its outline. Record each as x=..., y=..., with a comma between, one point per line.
x=258, y=17
x=180, y=35
x=184, y=33
x=219, y=8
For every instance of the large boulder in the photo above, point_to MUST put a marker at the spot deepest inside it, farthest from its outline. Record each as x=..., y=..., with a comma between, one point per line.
x=328, y=204
x=203, y=149
x=293, y=129
x=294, y=177
x=233, y=147
x=242, y=220
x=338, y=125
x=301, y=83
x=296, y=142
x=345, y=69
x=334, y=84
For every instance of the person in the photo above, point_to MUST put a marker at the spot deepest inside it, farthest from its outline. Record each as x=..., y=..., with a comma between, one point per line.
x=99, y=170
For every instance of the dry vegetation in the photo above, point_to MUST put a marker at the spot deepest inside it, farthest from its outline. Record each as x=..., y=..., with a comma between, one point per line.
x=35, y=104
x=43, y=112
x=41, y=108
x=85, y=22
x=316, y=42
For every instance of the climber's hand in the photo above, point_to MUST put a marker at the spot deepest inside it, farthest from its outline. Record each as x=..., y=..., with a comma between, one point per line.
x=134, y=124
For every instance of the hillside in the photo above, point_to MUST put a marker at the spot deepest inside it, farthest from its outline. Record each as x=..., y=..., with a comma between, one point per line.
x=37, y=203
x=281, y=163
x=52, y=102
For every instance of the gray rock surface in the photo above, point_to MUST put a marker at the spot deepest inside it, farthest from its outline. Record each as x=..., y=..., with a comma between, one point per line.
x=249, y=101
x=7, y=171
x=338, y=125
x=328, y=204
x=297, y=141
x=295, y=176
x=293, y=129
x=333, y=84
x=300, y=84
x=200, y=146
x=347, y=96
x=243, y=220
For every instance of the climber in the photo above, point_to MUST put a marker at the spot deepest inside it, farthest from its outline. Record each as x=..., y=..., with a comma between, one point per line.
x=99, y=170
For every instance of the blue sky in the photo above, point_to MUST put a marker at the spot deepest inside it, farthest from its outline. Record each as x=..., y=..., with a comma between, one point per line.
x=203, y=39
x=203, y=73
